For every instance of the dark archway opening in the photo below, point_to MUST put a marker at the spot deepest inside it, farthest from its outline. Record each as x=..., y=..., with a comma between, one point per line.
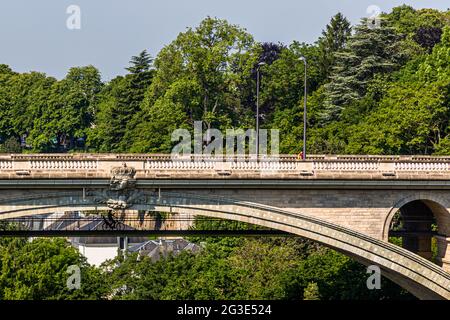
x=413, y=227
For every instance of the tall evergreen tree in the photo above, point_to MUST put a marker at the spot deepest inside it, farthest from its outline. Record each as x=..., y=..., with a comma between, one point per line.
x=368, y=52
x=119, y=104
x=333, y=39
x=140, y=63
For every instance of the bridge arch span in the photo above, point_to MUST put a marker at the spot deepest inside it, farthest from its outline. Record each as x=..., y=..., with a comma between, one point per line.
x=438, y=205
x=416, y=274
x=418, y=212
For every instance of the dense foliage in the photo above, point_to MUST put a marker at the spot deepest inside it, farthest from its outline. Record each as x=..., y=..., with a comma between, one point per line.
x=372, y=90
x=226, y=268
x=38, y=269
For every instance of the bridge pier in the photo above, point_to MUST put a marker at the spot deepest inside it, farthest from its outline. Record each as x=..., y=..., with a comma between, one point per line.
x=424, y=247
x=418, y=243
x=443, y=248
x=417, y=224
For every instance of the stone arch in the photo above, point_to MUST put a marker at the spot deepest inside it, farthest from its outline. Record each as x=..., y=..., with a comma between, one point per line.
x=437, y=203
x=438, y=206
x=416, y=274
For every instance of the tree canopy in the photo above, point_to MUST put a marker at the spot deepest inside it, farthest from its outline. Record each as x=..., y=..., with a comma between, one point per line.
x=371, y=90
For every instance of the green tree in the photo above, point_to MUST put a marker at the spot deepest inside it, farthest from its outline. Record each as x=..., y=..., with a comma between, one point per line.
x=261, y=269
x=154, y=132
x=120, y=102
x=282, y=90
x=333, y=39
x=311, y=292
x=413, y=116
x=368, y=52
x=24, y=97
x=37, y=270
x=203, y=71
x=69, y=110
x=11, y=145
x=140, y=63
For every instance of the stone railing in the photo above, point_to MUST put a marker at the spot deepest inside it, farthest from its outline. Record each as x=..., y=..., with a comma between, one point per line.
x=422, y=166
x=100, y=165
x=6, y=165
x=340, y=165
x=63, y=165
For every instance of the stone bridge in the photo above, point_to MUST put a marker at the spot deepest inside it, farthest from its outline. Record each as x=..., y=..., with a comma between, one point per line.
x=353, y=204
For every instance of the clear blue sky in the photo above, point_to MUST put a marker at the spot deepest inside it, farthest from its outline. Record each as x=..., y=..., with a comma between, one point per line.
x=34, y=36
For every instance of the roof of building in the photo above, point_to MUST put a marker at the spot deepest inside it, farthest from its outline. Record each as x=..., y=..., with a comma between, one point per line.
x=155, y=249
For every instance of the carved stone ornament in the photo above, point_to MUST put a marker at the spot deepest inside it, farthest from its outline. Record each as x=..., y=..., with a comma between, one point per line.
x=122, y=193
x=122, y=178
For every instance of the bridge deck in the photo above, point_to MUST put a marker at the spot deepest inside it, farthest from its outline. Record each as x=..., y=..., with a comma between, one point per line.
x=284, y=167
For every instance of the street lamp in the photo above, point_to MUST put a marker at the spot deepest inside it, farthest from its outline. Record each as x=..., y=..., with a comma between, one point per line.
x=257, y=107
x=304, y=112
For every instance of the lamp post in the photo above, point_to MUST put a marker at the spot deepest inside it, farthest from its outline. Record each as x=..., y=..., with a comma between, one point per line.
x=304, y=111
x=257, y=107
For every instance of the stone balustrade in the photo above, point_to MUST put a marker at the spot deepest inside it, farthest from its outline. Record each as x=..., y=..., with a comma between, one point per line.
x=339, y=165
x=422, y=166
x=63, y=165
x=191, y=167
x=6, y=165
